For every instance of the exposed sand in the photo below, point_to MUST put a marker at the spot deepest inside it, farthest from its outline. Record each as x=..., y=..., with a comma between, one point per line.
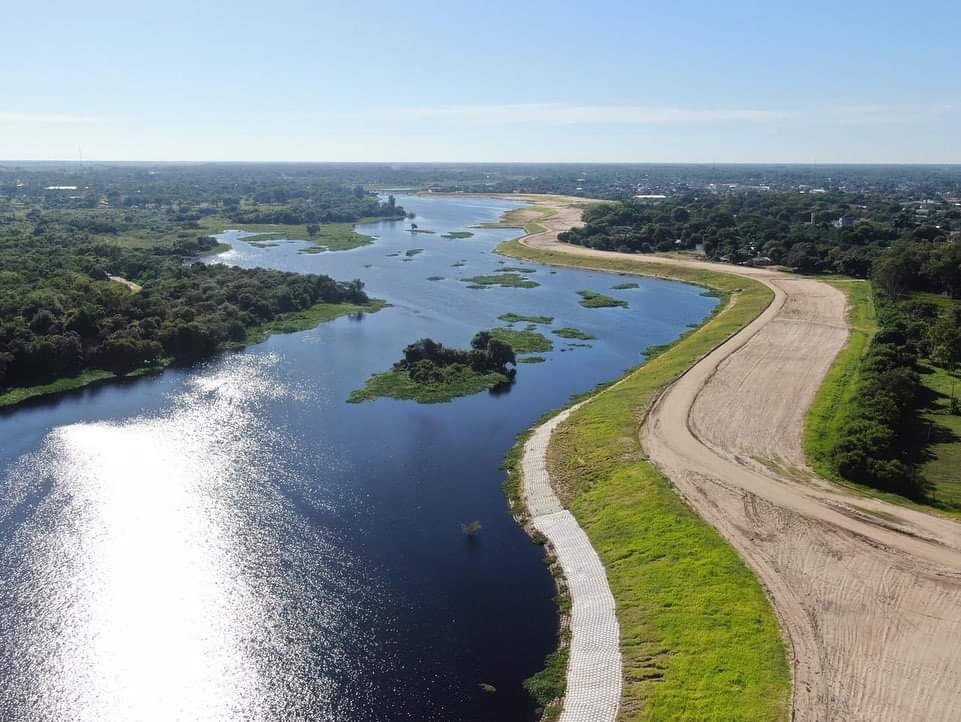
x=868, y=593
x=134, y=287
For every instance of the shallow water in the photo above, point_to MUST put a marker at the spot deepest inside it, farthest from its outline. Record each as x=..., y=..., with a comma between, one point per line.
x=234, y=541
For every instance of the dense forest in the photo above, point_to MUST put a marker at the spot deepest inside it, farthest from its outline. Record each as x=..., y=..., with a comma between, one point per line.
x=61, y=313
x=812, y=233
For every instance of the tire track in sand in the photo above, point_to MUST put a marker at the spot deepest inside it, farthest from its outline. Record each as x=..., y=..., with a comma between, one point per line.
x=868, y=593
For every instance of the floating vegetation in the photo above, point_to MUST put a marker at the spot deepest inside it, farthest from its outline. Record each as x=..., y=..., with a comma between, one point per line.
x=516, y=317
x=515, y=269
x=473, y=528
x=509, y=280
x=625, y=286
x=593, y=299
x=523, y=341
x=531, y=360
x=455, y=235
x=573, y=333
x=435, y=278
x=413, y=252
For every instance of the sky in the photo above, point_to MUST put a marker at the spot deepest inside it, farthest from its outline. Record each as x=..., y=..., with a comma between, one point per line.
x=527, y=81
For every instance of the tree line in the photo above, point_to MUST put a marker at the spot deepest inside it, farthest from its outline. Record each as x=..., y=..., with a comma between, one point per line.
x=813, y=233
x=60, y=314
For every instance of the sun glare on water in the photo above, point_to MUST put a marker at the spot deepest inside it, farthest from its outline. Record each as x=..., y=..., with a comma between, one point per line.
x=144, y=592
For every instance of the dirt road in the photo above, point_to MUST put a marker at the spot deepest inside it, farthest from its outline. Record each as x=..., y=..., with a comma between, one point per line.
x=868, y=593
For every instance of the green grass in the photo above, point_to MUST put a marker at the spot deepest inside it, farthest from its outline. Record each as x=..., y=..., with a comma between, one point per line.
x=508, y=280
x=573, y=333
x=835, y=399
x=526, y=217
x=592, y=299
x=519, y=317
x=625, y=286
x=18, y=395
x=942, y=470
x=523, y=341
x=699, y=638
x=531, y=360
x=330, y=237
x=310, y=317
x=455, y=235
x=397, y=384
x=515, y=269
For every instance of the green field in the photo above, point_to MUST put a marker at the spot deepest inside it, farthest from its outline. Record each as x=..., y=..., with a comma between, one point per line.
x=699, y=638
x=942, y=469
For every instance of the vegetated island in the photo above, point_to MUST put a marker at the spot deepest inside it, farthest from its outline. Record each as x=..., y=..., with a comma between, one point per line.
x=432, y=373
x=592, y=299
x=515, y=269
x=518, y=317
x=573, y=333
x=456, y=235
x=507, y=280
x=625, y=286
x=526, y=341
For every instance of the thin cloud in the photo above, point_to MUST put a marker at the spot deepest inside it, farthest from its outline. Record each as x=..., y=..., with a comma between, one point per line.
x=11, y=117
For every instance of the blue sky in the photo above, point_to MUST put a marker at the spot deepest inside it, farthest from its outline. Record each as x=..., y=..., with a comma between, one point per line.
x=610, y=81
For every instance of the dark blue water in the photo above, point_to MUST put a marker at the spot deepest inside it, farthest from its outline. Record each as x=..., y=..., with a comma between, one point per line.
x=235, y=541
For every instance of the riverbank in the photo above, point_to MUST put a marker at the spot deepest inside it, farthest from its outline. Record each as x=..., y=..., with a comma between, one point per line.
x=728, y=434
x=664, y=565
x=289, y=323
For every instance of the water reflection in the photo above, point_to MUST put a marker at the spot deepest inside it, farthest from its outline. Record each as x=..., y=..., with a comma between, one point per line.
x=166, y=593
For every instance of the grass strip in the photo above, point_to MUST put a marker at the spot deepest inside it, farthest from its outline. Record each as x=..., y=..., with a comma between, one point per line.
x=698, y=635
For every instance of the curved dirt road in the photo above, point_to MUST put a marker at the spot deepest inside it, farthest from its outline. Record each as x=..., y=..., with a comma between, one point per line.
x=868, y=593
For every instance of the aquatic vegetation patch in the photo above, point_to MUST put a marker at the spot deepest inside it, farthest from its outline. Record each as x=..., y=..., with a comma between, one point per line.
x=410, y=253
x=573, y=333
x=435, y=278
x=518, y=317
x=432, y=373
x=531, y=360
x=593, y=299
x=515, y=269
x=625, y=286
x=456, y=235
x=508, y=280
x=523, y=341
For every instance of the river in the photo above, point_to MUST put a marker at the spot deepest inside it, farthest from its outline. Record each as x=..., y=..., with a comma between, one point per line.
x=234, y=541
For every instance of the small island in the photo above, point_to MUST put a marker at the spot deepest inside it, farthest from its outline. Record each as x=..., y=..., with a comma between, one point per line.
x=508, y=280
x=573, y=333
x=432, y=373
x=456, y=235
x=625, y=286
x=526, y=341
x=512, y=317
x=593, y=299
